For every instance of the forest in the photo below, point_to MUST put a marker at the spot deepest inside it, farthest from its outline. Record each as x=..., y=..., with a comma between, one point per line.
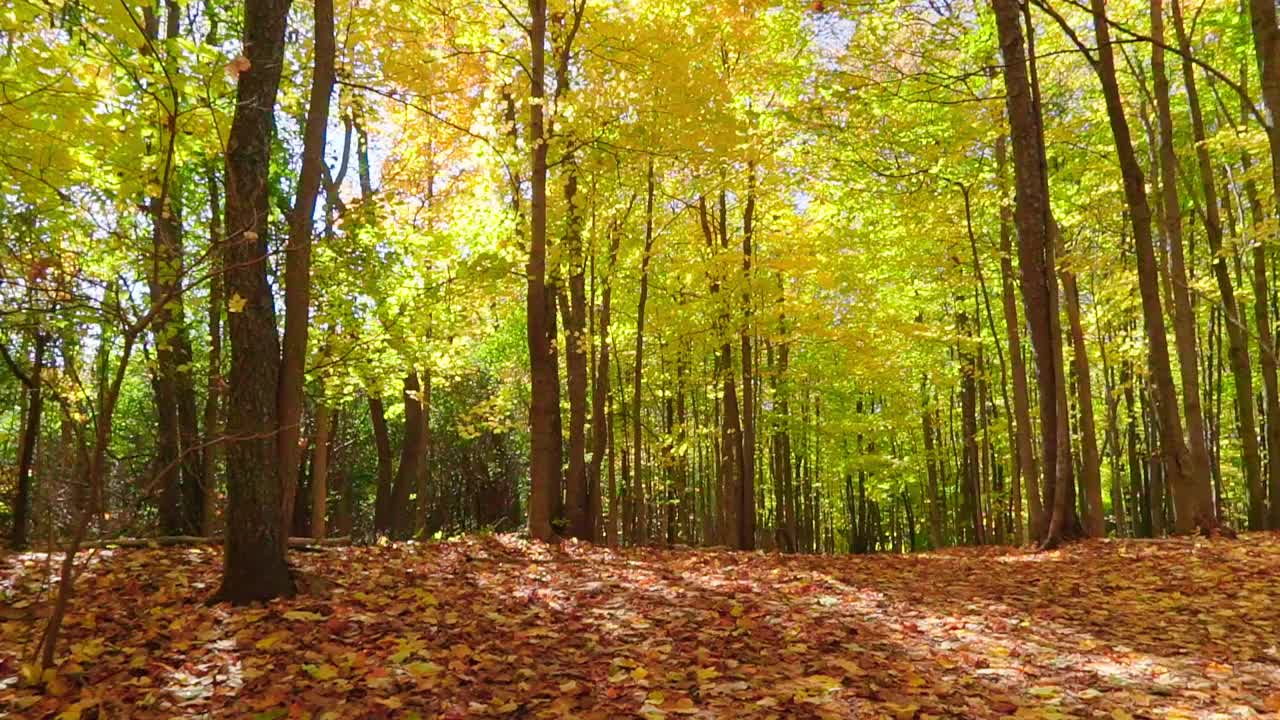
x=639, y=358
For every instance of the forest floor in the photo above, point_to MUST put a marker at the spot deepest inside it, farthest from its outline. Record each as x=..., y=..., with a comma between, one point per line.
x=499, y=627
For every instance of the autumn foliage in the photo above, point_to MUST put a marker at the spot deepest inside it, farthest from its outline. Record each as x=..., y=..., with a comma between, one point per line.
x=500, y=627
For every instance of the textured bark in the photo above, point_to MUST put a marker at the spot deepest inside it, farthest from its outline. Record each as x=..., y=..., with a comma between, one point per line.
x=1192, y=492
x=1031, y=217
x=297, y=262
x=1237, y=337
x=255, y=567
x=544, y=409
x=971, y=490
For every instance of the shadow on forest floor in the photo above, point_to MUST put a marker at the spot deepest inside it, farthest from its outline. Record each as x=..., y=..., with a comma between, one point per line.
x=497, y=627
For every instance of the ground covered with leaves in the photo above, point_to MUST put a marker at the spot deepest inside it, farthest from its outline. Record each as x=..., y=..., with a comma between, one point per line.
x=499, y=627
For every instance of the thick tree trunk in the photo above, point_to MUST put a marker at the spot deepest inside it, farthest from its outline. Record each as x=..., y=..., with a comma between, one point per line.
x=255, y=566
x=544, y=409
x=297, y=261
x=1032, y=219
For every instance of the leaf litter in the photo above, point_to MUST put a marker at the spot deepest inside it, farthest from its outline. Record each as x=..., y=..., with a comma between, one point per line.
x=500, y=627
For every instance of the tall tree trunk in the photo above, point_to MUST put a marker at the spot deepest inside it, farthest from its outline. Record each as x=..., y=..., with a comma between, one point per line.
x=382, y=508
x=254, y=567
x=1192, y=492
x=1090, y=458
x=1024, y=456
x=748, y=510
x=27, y=445
x=601, y=410
x=544, y=409
x=297, y=261
x=1237, y=337
x=1032, y=218
x=1184, y=320
x=931, y=467
x=214, y=383
x=638, y=499
x=422, y=522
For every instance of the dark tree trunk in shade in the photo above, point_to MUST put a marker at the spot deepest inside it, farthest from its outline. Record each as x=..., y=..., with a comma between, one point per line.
x=382, y=509
x=254, y=567
x=406, y=477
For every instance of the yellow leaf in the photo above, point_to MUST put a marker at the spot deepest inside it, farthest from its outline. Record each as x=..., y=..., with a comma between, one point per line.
x=639, y=674
x=271, y=640
x=321, y=672
x=302, y=615
x=235, y=303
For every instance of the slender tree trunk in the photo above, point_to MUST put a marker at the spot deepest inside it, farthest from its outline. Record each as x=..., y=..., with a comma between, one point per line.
x=297, y=261
x=27, y=446
x=382, y=509
x=638, y=498
x=1237, y=337
x=601, y=411
x=422, y=523
x=1090, y=458
x=214, y=382
x=1021, y=441
x=748, y=510
x=254, y=567
x=1184, y=321
x=1192, y=492
x=320, y=472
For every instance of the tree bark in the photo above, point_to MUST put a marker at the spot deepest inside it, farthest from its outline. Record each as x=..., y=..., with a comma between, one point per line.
x=1032, y=218
x=401, y=512
x=544, y=409
x=382, y=510
x=1024, y=456
x=1193, y=495
x=1237, y=337
x=254, y=567
x=638, y=499
x=1184, y=320
x=297, y=261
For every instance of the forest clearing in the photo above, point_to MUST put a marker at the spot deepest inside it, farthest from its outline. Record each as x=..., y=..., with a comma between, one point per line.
x=639, y=358
x=502, y=627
